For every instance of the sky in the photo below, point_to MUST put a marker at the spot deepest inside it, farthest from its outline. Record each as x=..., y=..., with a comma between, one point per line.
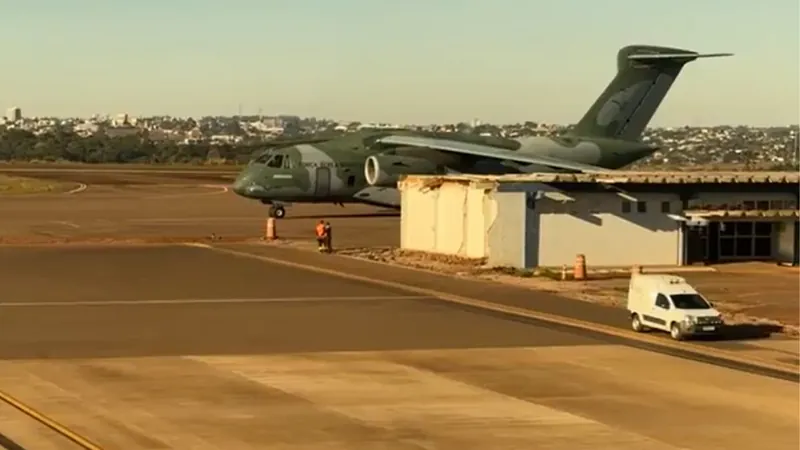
x=415, y=61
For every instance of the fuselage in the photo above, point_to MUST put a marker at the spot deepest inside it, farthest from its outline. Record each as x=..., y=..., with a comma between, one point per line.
x=334, y=171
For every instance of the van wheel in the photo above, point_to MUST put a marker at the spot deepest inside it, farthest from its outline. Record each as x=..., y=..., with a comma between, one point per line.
x=675, y=331
x=636, y=324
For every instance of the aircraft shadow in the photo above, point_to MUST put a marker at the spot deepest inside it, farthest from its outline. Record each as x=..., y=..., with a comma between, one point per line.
x=342, y=216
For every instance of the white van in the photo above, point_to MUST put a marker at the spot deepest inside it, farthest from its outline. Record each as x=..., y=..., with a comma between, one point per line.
x=669, y=303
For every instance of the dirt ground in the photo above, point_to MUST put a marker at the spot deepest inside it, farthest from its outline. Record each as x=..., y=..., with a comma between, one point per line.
x=747, y=292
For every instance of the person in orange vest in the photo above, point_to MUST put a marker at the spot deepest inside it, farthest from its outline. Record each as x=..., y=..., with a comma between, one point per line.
x=328, y=237
x=321, y=235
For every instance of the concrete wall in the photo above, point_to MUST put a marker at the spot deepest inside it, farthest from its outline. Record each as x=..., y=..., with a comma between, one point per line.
x=594, y=225
x=507, y=231
x=450, y=219
x=785, y=246
x=418, y=220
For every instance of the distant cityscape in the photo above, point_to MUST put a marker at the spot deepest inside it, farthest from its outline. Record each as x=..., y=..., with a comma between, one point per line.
x=759, y=148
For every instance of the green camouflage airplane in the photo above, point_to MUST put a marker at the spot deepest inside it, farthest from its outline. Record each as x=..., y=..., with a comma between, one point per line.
x=364, y=167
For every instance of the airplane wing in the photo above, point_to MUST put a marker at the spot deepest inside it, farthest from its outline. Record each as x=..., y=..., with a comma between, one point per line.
x=465, y=148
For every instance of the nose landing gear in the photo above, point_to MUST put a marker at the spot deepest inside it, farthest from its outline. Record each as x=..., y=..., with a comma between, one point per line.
x=277, y=211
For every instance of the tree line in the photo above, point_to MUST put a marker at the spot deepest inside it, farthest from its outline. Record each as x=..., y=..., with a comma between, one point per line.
x=60, y=145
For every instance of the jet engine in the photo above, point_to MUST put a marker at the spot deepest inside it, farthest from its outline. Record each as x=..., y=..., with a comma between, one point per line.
x=385, y=170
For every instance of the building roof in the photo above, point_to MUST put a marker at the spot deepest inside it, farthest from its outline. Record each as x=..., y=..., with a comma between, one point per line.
x=742, y=214
x=620, y=177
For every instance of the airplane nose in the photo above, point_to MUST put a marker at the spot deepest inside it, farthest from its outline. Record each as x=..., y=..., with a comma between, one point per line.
x=240, y=184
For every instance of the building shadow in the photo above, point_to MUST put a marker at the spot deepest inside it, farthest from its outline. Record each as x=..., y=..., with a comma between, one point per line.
x=588, y=217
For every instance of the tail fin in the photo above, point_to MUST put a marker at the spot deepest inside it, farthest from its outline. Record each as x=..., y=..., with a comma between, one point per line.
x=644, y=76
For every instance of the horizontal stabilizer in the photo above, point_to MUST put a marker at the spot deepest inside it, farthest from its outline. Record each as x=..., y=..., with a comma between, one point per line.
x=675, y=56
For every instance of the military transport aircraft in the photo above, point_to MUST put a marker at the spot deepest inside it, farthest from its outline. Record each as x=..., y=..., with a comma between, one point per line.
x=364, y=167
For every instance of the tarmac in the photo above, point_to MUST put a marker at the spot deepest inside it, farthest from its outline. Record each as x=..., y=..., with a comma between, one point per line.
x=159, y=345
x=152, y=206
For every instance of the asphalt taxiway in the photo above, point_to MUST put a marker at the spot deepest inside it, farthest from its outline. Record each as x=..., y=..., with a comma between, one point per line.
x=176, y=346
x=186, y=347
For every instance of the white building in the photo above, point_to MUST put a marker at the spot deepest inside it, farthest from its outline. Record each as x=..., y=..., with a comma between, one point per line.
x=121, y=119
x=621, y=219
x=13, y=114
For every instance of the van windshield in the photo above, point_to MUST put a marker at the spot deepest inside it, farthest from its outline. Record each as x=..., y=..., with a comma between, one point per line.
x=689, y=301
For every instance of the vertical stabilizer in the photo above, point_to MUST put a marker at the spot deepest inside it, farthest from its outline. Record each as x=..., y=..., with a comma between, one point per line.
x=644, y=76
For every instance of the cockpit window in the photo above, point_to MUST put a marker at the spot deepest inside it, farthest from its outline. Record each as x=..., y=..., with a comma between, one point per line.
x=276, y=161
x=262, y=159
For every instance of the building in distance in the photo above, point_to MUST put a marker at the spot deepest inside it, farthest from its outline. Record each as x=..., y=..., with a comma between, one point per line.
x=13, y=114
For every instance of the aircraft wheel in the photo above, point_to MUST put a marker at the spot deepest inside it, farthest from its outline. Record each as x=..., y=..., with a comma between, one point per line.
x=278, y=212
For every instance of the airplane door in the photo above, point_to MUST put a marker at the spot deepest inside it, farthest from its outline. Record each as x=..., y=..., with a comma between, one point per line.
x=323, y=185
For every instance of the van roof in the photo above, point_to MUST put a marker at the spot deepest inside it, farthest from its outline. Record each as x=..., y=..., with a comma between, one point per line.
x=661, y=277
x=666, y=284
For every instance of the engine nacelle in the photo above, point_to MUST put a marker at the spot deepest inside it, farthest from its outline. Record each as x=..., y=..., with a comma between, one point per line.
x=386, y=170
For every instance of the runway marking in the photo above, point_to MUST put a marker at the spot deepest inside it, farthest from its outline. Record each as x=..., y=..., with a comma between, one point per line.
x=67, y=224
x=81, y=187
x=194, y=219
x=208, y=301
x=221, y=189
x=78, y=439
x=686, y=347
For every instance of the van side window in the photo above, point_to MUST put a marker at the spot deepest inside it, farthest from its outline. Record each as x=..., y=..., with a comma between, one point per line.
x=662, y=301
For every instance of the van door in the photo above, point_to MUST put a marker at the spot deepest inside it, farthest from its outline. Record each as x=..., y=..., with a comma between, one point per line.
x=657, y=318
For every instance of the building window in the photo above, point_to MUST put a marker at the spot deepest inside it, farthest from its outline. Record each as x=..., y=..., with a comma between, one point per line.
x=763, y=228
x=762, y=247
x=665, y=206
x=744, y=228
x=641, y=207
x=626, y=206
x=351, y=181
x=762, y=205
